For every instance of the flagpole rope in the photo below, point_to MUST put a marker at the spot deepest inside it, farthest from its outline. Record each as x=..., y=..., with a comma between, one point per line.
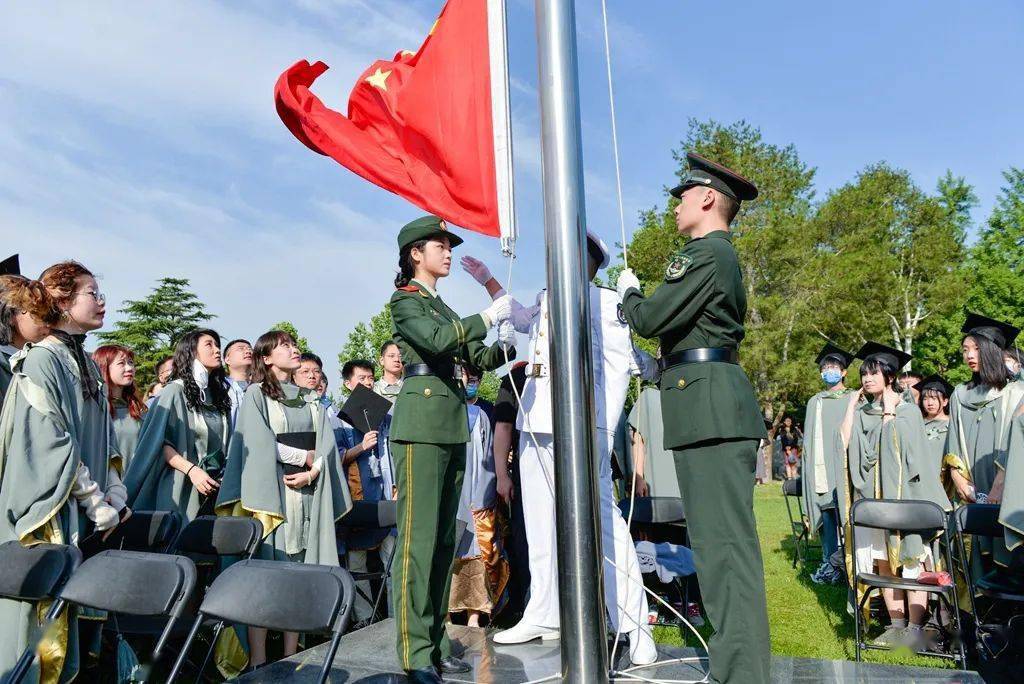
x=615, y=133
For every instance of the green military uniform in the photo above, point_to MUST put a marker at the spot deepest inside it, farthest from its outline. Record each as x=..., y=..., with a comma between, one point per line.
x=429, y=431
x=713, y=425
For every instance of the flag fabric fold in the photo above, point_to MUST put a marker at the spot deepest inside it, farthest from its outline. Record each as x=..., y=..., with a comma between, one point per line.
x=419, y=125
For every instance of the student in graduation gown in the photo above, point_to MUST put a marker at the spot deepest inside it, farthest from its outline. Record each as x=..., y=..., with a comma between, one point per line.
x=117, y=366
x=481, y=570
x=26, y=313
x=934, y=393
x=980, y=414
x=887, y=452
x=429, y=432
x=283, y=470
x=1011, y=503
x=179, y=458
x=60, y=475
x=824, y=464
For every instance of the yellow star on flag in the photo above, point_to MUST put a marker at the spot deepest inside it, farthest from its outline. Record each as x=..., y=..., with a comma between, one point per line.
x=379, y=79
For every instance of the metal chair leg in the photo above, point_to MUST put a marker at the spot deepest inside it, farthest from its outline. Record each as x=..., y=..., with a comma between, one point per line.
x=329, y=657
x=180, y=660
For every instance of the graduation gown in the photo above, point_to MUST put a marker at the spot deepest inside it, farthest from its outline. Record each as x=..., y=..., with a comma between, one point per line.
x=54, y=443
x=5, y=371
x=126, y=432
x=659, y=463
x=1011, y=508
x=886, y=461
x=936, y=431
x=823, y=473
x=199, y=435
x=976, y=447
x=297, y=525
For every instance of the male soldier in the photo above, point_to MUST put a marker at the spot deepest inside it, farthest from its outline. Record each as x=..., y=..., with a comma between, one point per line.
x=711, y=418
x=615, y=360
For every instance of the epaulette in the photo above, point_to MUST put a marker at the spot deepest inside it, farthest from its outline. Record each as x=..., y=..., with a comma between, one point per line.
x=409, y=288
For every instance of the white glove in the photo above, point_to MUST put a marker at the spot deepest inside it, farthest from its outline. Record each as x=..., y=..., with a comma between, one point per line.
x=499, y=310
x=647, y=365
x=117, y=494
x=627, y=279
x=476, y=268
x=87, y=494
x=506, y=334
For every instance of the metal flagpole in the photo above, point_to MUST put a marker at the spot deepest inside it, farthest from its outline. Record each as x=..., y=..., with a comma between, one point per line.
x=584, y=637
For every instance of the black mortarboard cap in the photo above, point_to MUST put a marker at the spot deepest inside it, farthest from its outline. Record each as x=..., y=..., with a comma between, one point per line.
x=713, y=175
x=894, y=357
x=365, y=409
x=831, y=351
x=935, y=382
x=10, y=266
x=998, y=332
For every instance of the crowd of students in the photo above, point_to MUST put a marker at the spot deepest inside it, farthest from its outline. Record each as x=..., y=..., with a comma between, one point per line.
x=904, y=437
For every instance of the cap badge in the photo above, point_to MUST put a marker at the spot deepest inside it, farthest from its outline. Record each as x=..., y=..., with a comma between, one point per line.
x=441, y=225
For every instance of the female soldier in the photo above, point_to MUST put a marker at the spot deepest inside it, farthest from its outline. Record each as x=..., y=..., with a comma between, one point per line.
x=283, y=469
x=60, y=473
x=179, y=458
x=429, y=432
x=887, y=457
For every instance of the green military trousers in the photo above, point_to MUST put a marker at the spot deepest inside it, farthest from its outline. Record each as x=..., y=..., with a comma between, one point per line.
x=716, y=480
x=429, y=481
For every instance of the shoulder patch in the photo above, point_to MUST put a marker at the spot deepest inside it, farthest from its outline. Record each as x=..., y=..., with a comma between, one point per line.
x=620, y=314
x=677, y=265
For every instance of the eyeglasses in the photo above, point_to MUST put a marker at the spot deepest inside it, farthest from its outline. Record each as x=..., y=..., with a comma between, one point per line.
x=98, y=296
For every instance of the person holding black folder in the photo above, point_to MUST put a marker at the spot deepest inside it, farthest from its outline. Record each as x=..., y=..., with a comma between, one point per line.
x=283, y=470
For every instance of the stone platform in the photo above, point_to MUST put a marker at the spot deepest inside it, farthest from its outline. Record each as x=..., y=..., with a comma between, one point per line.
x=367, y=656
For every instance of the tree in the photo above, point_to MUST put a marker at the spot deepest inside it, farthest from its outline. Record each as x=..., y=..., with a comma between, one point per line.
x=365, y=340
x=302, y=342
x=152, y=326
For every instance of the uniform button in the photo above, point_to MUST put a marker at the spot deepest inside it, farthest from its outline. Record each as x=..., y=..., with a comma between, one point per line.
x=426, y=392
x=681, y=383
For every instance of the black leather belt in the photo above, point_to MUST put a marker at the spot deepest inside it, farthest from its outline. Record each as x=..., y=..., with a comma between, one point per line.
x=415, y=369
x=698, y=356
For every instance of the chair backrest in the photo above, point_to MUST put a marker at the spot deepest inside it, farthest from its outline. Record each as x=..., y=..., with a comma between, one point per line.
x=34, y=573
x=655, y=509
x=145, y=531
x=793, y=487
x=907, y=516
x=292, y=597
x=980, y=519
x=212, y=535
x=370, y=514
x=132, y=582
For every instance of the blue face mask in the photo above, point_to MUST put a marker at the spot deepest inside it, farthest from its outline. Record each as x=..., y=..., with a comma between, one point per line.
x=831, y=376
x=471, y=389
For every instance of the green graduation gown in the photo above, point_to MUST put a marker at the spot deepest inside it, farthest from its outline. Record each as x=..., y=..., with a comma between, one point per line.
x=297, y=525
x=1011, y=508
x=126, y=431
x=200, y=435
x=48, y=431
x=823, y=473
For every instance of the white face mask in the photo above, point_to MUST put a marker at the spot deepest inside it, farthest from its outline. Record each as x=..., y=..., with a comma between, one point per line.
x=202, y=378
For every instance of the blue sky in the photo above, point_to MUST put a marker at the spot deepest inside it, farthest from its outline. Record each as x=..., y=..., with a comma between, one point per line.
x=141, y=138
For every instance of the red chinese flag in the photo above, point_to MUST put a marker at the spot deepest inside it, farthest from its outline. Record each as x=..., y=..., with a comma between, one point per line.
x=418, y=125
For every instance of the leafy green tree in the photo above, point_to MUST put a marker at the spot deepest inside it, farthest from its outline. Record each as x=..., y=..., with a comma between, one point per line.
x=152, y=326
x=286, y=326
x=365, y=340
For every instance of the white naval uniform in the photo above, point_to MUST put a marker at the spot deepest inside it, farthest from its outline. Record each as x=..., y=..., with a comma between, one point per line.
x=615, y=360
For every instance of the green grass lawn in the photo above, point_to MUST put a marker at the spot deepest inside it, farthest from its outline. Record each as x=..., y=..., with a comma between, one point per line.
x=807, y=620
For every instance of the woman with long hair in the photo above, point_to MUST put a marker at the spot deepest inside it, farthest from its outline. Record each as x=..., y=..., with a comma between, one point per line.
x=933, y=400
x=60, y=473
x=429, y=431
x=27, y=312
x=886, y=454
x=117, y=366
x=179, y=458
x=980, y=415
x=282, y=469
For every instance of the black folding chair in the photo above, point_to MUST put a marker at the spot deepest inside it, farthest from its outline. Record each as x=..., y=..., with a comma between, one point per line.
x=982, y=520
x=289, y=597
x=147, y=584
x=205, y=541
x=370, y=515
x=144, y=531
x=33, y=574
x=800, y=525
x=926, y=519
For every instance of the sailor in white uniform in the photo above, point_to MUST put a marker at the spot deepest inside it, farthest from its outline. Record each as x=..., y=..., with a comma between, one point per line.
x=615, y=360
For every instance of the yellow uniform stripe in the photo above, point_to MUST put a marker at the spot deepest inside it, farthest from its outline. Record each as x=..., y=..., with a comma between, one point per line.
x=405, y=556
